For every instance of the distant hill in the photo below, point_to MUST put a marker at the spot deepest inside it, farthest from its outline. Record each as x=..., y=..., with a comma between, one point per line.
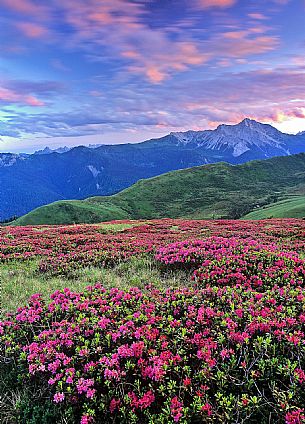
x=211, y=191
x=288, y=208
x=29, y=181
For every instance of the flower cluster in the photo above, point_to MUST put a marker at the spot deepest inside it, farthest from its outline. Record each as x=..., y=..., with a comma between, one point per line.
x=230, y=347
x=64, y=249
x=218, y=354
x=235, y=262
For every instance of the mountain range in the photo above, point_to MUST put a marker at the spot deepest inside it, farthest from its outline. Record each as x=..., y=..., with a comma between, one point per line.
x=29, y=181
x=273, y=187
x=47, y=150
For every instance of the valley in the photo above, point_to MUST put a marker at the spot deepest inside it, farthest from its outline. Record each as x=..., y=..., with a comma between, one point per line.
x=29, y=181
x=206, y=192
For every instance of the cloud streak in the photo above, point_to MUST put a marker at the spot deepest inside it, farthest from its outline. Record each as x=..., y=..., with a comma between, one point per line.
x=227, y=98
x=8, y=96
x=85, y=67
x=122, y=29
x=207, y=4
x=32, y=30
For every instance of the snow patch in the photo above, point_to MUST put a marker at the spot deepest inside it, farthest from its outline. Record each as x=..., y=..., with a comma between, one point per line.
x=9, y=159
x=239, y=149
x=93, y=170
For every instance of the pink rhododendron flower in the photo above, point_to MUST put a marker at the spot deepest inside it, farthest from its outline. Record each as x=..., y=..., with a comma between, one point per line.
x=59, y=397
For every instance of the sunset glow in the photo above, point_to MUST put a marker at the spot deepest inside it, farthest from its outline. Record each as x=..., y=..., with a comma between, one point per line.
x=99, y=71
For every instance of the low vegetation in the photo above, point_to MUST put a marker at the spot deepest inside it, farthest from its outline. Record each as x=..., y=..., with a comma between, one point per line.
x=210, y=192
x=288, y=208
x=153, y=322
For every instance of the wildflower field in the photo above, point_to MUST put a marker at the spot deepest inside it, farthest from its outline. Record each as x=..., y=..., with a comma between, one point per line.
x=162, y=321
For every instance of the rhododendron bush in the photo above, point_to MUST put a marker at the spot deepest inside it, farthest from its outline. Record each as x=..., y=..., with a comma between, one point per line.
x=235, y=262
x=227, y=348
x=61, y=250
x=215, y=355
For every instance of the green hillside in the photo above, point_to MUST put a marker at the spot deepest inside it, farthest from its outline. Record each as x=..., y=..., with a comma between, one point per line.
x=288, y=208
x=71, y=211
x=211, y=191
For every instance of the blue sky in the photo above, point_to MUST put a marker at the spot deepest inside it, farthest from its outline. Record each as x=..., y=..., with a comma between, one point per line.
x=99, y=71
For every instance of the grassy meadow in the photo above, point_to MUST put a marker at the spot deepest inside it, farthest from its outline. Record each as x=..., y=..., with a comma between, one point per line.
x=214, y=191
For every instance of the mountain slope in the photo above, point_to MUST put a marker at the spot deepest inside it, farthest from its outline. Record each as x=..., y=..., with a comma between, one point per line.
x=288, y=208
x=212, y=191
x=247, y=136
x=81, y=172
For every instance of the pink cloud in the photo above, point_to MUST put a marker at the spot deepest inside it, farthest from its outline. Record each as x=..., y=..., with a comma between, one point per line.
x=258, y=29
x=281, y=116
x=235, y=35
x=230, y=45
x=21, y=6
x=276, y=116
x=32, y=30
x=265, y=95
x=26, y=7
x=11, y=97
x=154, y=74
x=118, y=27
x=33, y=101
x=160, y=65
x=206, y=4
x=131, y=54
x=8, y=95
x=258, y=16
x=299, y=61
x=224, y=63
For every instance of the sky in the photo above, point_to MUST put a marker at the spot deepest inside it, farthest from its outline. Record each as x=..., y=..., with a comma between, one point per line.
x=114, y=71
